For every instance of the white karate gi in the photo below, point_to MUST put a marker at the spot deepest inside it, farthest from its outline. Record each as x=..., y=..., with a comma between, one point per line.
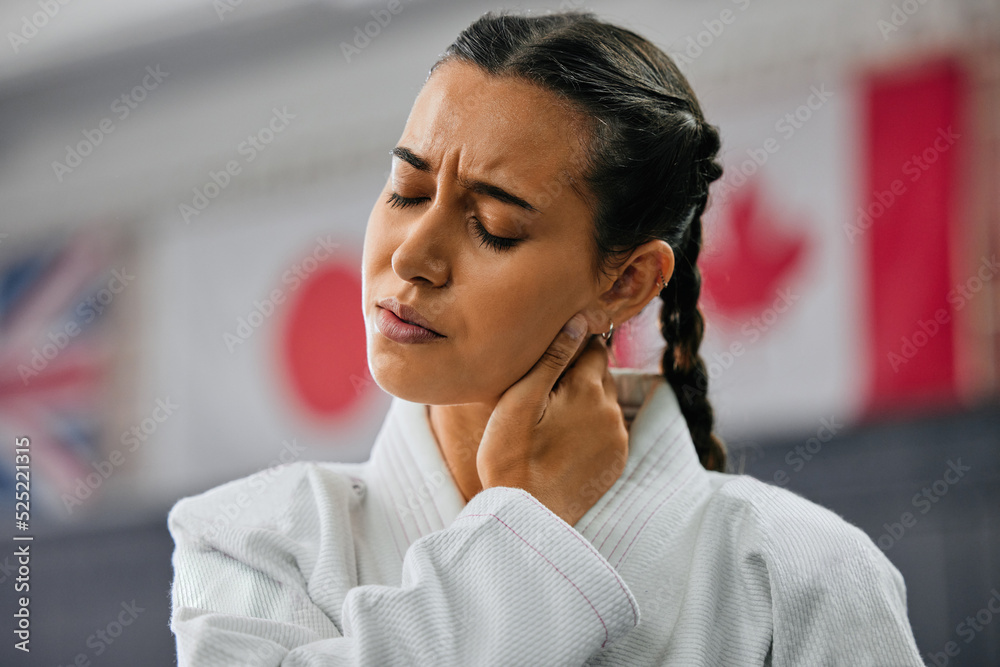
x=382, y=563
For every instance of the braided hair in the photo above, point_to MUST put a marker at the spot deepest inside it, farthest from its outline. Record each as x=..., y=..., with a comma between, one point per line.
x=650, y=160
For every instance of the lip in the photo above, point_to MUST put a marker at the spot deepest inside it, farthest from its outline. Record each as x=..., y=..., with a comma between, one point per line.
x=402, y=323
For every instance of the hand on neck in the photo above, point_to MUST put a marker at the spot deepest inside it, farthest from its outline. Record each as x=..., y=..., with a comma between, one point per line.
x=458, y=429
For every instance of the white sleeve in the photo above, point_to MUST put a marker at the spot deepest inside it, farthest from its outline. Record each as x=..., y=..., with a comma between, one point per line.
x=855, y=615
x=836, y=598
x=508, y=582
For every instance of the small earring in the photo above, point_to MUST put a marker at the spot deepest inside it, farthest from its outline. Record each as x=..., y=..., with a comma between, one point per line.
x=607, y=334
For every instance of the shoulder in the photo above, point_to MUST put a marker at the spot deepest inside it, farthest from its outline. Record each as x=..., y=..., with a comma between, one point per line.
x=779, y=514
x=803, y=545
x=271, y=498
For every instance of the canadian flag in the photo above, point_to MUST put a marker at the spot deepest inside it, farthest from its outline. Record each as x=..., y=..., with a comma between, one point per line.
x=833, y=278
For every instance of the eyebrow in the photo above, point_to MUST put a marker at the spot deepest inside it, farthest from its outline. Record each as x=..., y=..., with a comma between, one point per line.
x=479, y=187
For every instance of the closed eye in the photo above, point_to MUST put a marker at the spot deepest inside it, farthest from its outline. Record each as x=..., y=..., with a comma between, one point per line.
x=497, y=243
x=396, y=200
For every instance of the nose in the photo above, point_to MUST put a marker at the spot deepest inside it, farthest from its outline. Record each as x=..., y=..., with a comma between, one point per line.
x=424, y=256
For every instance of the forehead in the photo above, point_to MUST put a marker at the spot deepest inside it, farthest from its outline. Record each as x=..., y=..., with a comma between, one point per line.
x=497, y=125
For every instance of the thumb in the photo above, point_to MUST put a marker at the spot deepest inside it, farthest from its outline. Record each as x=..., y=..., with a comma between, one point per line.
x=537, y=383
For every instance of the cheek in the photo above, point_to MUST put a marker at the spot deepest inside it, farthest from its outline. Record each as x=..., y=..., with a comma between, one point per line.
x=514, y=326
x=376, y=253
x=375, y=233
x=368, y=245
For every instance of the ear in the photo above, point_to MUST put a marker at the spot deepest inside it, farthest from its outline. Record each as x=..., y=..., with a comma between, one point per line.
x=637, y=281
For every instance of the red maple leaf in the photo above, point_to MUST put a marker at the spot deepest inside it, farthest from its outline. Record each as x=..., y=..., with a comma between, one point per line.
x=751, y=259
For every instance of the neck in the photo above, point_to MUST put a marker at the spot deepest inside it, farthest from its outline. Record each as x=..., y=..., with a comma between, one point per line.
x=458, y=430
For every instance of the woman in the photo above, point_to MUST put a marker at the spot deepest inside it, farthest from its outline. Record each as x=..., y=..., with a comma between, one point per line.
x=524, y=504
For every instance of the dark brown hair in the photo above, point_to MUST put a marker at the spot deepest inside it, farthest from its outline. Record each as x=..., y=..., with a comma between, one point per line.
x=651, y=159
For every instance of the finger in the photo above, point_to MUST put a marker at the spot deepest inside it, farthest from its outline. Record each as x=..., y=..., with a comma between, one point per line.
x=592, y=362
x=610, y=386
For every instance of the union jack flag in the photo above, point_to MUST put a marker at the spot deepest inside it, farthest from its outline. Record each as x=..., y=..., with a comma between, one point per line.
x=56, y=346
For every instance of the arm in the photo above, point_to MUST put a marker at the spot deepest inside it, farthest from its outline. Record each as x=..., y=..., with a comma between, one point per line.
x=509, y=582
x=837, y=600
x=855, y=616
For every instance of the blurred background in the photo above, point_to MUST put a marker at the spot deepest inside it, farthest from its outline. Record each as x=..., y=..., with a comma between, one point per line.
x=184, y=188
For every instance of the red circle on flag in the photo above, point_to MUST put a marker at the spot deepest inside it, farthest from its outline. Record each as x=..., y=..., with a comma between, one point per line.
x=323, y=346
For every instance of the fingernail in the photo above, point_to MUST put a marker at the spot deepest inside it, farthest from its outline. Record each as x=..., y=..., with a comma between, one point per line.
x=576, y=326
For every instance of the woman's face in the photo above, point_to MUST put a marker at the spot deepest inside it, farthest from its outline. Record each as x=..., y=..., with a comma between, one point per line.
x=498, y=153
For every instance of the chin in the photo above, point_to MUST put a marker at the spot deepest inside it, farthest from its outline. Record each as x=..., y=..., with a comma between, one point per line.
x=417, y=390
x=434, y=386
x=408, y=380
